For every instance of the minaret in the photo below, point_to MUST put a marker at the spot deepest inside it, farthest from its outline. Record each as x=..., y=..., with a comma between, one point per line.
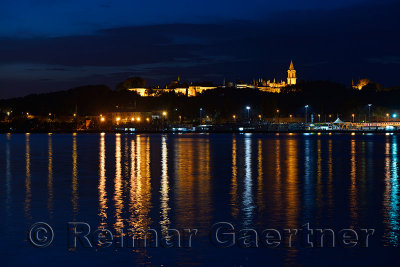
x=291, y=79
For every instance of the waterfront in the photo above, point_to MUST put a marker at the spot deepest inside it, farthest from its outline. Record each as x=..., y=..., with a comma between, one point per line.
x=193, y=181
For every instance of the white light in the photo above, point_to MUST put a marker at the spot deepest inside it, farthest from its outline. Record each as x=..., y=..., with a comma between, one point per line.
x=248, y=107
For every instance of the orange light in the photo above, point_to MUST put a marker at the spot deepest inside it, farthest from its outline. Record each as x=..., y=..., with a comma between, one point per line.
x=138, y=119
x=147, y=119
x=118, y=118
x=164, y=113
x=102, y=119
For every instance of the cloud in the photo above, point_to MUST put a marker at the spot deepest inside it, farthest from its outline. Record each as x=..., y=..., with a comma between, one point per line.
x=335, y=45
x=385, y=60
x=56, y=18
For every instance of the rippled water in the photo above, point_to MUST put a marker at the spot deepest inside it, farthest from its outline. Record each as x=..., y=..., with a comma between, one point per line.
x=192, y=181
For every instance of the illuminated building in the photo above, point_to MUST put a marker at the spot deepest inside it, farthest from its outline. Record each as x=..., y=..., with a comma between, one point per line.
x=194, y=89
x=177, y=87
x=361, y=83
x=291, y=79
x=275, y=87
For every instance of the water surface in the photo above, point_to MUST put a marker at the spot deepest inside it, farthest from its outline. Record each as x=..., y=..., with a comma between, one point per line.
x=192, y=181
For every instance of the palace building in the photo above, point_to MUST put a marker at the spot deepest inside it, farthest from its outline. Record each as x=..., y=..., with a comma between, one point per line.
x=275, y=87
x=193, y=89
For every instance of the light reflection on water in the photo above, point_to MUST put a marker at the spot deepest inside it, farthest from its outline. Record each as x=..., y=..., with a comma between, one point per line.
x=391, y=194
x=191, y=181
x=28, y=192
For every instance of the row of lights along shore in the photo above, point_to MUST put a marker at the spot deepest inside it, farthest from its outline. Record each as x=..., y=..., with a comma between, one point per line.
x=248, y=108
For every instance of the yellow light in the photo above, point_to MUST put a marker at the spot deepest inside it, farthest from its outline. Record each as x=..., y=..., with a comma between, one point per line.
x=49, y=114
x=147, y=119
x=234, y=116
x=138, y=118
x=277, y=110
x=118, y=118
x=74, y=114
x=164, y=113
x=387, y=114
x=132, y=119
x=102, y=119
x=259, y=116
x=290, y=115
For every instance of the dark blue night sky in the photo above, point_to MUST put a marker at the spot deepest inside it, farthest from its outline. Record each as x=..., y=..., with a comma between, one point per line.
x=53, y=45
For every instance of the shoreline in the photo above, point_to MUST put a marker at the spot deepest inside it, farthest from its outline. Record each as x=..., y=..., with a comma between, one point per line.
x=318, y=132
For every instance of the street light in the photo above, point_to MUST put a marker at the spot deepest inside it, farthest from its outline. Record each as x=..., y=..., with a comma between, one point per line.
x=277, y=113
x=394, y=115
x=248, y=112
x=387, y=116
x=201, y=111
x=306, y=107
x=319, y=118
x=369, y=112
x=353, y=117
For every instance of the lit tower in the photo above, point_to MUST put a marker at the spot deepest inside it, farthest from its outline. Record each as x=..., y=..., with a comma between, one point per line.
x=291, y=78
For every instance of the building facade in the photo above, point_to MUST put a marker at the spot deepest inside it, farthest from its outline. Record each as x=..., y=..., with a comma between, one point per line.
x=194, y=89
